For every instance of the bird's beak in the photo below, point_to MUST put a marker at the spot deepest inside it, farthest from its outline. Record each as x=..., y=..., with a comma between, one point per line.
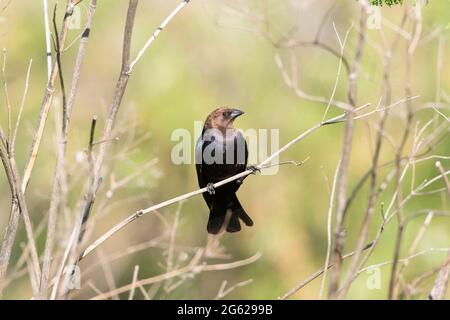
x=236, y=113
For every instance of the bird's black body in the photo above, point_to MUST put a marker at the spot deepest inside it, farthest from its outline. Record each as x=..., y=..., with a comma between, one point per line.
x=221, y=154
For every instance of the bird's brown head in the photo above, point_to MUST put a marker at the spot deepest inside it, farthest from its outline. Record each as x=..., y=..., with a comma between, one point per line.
x=222, y=118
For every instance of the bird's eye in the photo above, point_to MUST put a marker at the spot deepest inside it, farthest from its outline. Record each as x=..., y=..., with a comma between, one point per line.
x=226, y=113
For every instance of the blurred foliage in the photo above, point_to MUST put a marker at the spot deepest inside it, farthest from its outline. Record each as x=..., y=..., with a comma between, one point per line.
x=387, y=2
x=213, y=54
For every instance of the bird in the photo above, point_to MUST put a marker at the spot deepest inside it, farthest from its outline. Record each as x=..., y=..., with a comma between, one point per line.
x=221, y=152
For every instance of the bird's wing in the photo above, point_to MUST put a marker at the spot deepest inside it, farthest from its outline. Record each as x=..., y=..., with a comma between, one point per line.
x=199, y=161
x=241, y=140
x=199, y=147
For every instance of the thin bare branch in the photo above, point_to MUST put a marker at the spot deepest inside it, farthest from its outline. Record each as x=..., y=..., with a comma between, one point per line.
x=192, y=267
x=345, y=159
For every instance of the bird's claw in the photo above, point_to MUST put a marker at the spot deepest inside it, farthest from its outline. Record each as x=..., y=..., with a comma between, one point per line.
x=210, y=188
x=254, y=169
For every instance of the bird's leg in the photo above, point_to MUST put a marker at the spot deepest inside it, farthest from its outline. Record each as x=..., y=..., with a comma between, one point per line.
x=254, y=169
x=210, y=188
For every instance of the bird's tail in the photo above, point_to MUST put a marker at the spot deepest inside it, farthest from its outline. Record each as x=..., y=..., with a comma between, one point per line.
x=226, y=216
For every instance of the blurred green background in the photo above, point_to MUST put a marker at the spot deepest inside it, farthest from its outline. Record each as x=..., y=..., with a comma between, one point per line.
x=211, y=55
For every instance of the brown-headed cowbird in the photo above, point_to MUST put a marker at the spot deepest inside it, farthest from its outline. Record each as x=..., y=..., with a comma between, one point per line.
x=221, y=152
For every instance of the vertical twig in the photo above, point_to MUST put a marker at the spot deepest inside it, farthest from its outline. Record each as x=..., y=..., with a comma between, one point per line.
x=329, y=220
x=441, y=284
x=61, y=145
x=410, y=114
x=47, y=100
x=45, y=105
x=18, y=206
x=95, y=178
x=8, y=102
x=133, y=283
x=12, y=225
x=347, y=142
x=170, y=251
x=47, y=39
x=125, y=73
